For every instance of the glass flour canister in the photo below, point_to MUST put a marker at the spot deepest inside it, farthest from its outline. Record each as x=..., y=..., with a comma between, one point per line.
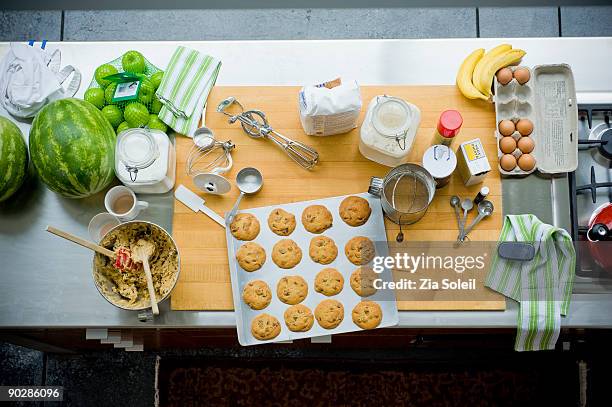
x=388, y=130
x=145, y=160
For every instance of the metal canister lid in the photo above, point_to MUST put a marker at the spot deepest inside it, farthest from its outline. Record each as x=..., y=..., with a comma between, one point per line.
x=440, y=161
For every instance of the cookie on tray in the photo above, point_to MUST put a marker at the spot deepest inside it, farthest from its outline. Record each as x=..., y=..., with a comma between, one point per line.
x=362, y=281
x=281, y=222
x=299, y=318
x=355, y=210
x=291, y=289
x=367, y=315
x=265, y=327
x=286, y=253
x=329, y=282
x=256, y=294
x=359, y=250
x=244, y=226
x=329, y=313
x=317, y=218
x=251, y=256
x=322, y=250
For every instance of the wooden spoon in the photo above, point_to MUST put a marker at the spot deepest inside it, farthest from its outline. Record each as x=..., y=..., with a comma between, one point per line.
x=75, y=239
x=141, y=253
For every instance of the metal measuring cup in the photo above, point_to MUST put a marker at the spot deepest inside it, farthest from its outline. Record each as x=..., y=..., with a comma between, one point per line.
x=249, y=181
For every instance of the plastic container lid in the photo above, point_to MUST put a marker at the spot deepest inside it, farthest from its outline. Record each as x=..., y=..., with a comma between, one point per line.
x=449, y=123
x=440, y=161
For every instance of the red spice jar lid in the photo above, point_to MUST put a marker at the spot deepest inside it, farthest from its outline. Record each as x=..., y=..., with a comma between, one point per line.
x=449, y=124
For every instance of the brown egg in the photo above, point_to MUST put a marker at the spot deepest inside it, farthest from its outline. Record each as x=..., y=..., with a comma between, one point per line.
x=504, y=76
x=526, y=144
x=522, y=75
x=526, y=162
x=506, y=127
x=507, y=162
x=524, y=126
x=507, y=145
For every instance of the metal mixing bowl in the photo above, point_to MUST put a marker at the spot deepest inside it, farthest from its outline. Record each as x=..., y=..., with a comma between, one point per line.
x=108, y=294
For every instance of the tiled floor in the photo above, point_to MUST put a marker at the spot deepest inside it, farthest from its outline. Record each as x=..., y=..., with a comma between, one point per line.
x=228, y=24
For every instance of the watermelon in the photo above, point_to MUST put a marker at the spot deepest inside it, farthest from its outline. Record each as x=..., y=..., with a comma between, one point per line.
x=13, y=158
x=72, y=147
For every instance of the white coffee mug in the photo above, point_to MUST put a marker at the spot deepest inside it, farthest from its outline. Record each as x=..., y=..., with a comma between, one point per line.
x=121, y=202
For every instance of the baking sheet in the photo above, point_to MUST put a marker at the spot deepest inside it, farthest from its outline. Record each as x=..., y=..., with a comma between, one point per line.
x=341, y=233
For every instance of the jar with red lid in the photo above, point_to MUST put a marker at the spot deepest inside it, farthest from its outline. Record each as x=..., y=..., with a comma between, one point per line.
x=448, y=127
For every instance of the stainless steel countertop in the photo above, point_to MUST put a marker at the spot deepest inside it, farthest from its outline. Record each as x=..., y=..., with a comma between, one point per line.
x=47, y=281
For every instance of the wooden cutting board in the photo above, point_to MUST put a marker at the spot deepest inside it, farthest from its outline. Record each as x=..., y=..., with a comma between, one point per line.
x=204, y=282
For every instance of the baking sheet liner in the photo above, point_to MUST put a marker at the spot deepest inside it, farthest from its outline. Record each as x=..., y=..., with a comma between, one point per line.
x=341, y=233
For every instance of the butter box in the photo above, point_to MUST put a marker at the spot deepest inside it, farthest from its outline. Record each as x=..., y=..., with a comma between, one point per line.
x=472, y=162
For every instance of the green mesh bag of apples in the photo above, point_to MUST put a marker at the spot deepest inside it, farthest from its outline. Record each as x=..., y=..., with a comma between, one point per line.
x=124, y=115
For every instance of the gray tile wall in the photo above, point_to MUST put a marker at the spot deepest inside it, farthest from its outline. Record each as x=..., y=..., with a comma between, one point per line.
x=533, y=21
x=26, y=25
x=213, y=24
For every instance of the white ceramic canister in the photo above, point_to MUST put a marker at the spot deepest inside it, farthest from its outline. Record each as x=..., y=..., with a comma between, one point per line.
x=388, y=130
x=441, y=162
x=145, y=161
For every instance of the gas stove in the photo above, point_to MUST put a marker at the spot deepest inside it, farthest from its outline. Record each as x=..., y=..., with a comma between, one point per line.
x=591, y=184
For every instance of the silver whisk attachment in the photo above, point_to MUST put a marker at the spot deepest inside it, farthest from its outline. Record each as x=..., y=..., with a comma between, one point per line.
x=207, y=160
x=255, y=124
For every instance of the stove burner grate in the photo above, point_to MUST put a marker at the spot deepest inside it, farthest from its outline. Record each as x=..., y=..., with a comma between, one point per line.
x=593, y=185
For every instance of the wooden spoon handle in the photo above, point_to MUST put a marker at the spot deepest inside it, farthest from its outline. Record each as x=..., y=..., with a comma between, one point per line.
x=147, y=270
x=82, y=242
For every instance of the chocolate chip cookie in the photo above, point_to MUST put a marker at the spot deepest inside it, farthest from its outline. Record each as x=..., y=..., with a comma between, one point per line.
x=286, y=254
x=251, y=256
x=244, y=226
x=322, y=250
x=292, y=289
x=362, y=281
x=256, y=294
x=317, y=218
x=265, y=327
x=329, y=313
x=298, y=318
x=281, y=222
x=359, y=250
x=329, y=282
x=355, y=210
x=367, y=315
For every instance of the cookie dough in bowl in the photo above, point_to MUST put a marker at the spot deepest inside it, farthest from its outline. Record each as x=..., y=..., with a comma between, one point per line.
x=128, y=289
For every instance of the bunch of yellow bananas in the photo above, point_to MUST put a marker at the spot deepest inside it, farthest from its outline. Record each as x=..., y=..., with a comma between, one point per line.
x=476, y=73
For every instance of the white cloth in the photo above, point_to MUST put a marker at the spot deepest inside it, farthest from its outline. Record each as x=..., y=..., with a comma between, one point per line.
x=30, y=78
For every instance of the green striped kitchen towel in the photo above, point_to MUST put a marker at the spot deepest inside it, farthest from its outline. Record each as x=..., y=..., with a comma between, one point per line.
x=185, y=86
x=542, y=286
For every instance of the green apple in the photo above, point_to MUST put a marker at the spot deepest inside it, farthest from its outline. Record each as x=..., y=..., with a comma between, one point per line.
x=146, y=92
x=109, y=92
x=95, y=96
x=133, y=61
x=113, y=115
x=156, y=105
x=155, y=123
x=156, y=79
x=103, y=71
x=136, y=114
x=123, y=126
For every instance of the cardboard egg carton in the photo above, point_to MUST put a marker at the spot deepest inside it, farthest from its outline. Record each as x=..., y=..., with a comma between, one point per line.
x=548, y=99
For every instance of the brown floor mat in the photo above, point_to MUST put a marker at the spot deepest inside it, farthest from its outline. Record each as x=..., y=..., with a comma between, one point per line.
x=275, y=382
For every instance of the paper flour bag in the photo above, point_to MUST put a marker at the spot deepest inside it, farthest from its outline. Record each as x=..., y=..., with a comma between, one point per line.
x=329, y=108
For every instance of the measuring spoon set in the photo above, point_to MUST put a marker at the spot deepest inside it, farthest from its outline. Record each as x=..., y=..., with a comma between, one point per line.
x=485, y=208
